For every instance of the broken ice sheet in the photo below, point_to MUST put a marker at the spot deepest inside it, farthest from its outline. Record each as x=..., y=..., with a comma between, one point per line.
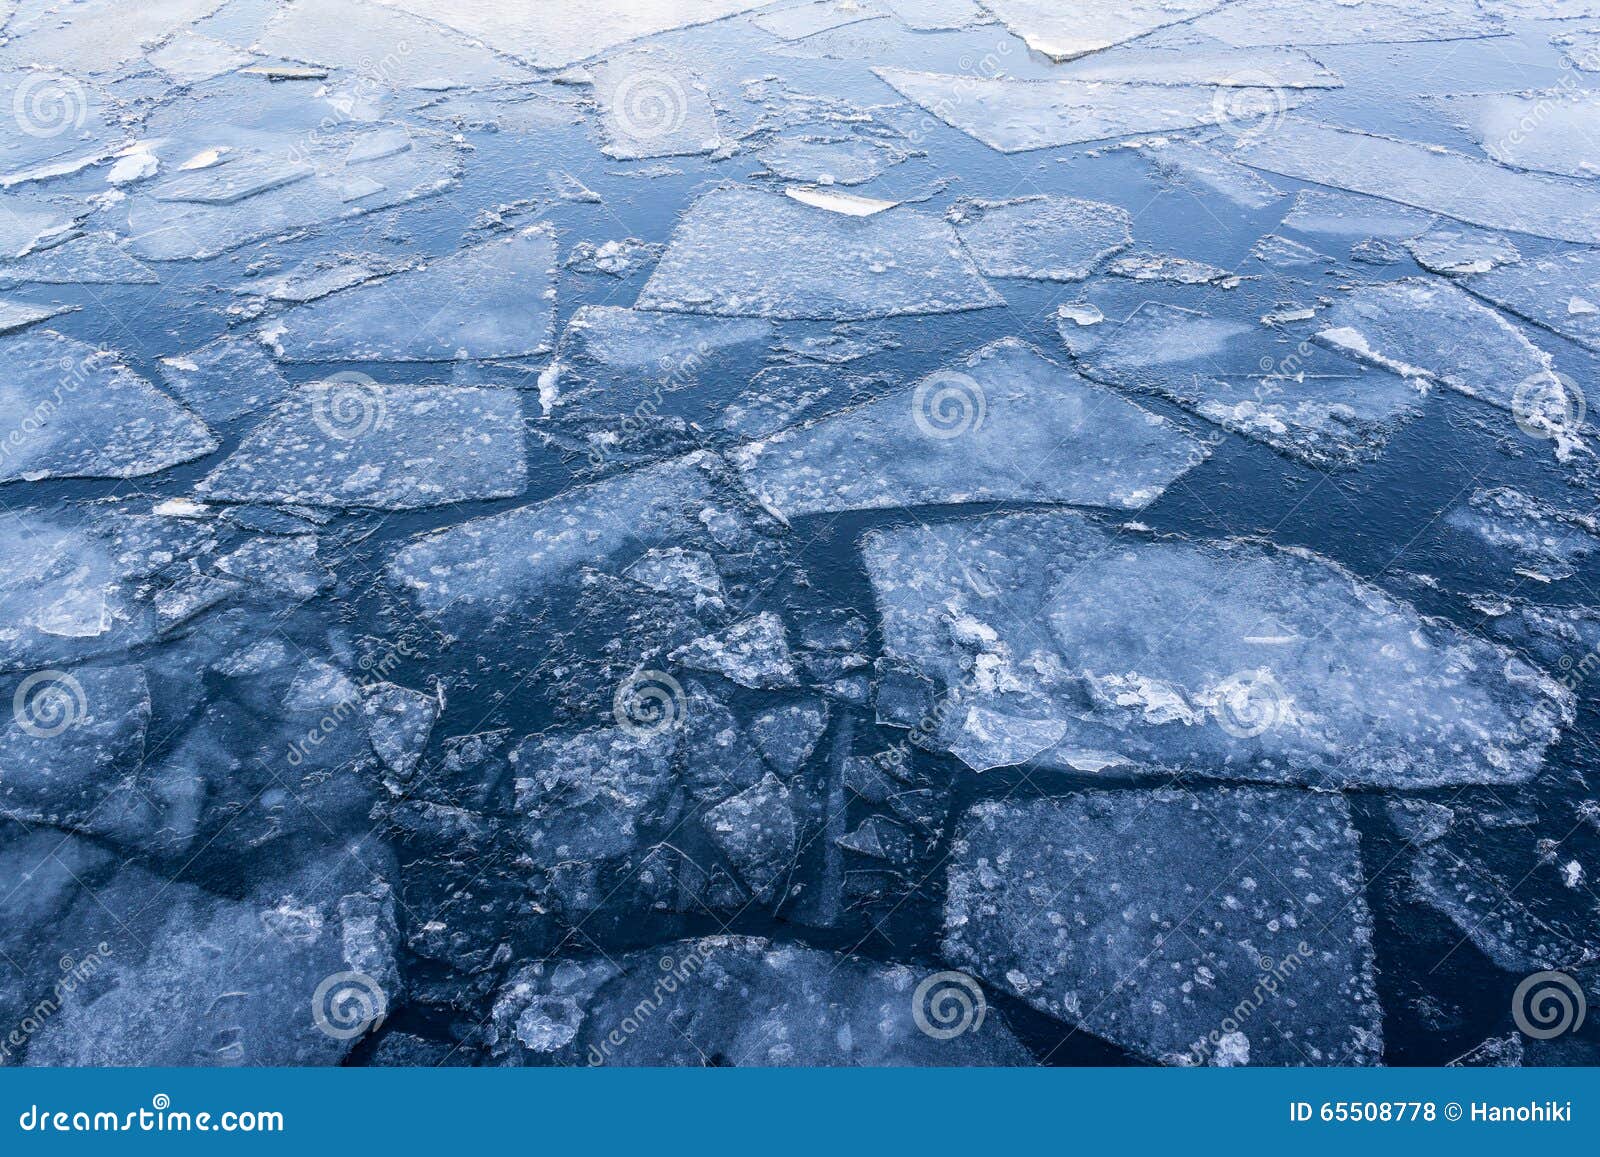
x=1347, y=215
x=752, y=653
x=1056, y=643
x=493, y=300
x=1547, y=541
x=1145, y=266
x=745, y=252
x=1016, y=115
x=739, y=999
x=1044, y=237
x=1200, y=168
x=621, y=258
x=1064, y=32
x=319, y=276
x=1006, y=424
x=1304, y=402
x=88, y=259
x=354, y=442
x=220, y=381
x=1476, y=191
x=15, y=315
x=1235, y=891
x=1560, y=293
x=188, y=57
x=1188, y=64
x=822, y=159
x=1557, y=130
x=77, y=412
x=1456, y=252
x=60, y=123
x=654, y=106
x=1252, y=23
x=798, y=21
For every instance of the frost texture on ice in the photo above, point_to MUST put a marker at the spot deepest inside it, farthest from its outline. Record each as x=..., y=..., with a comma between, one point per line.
x=87, y=259
x=1044, y=237
x=1560, y=293
x=1063, y=32
x=752, y=653
x=76, y=412
x=389, y=447
x=1005, y=424
x=1476, y=191
x=1057, y=642
x=1557, y=131
x=1547, y=541
x=221, y=381
x=1016, y=115
x=748, y=253
x=1150, y=917
x=1253, y=23
x=1240, y=376
x=797, y=1006
x=494, y=300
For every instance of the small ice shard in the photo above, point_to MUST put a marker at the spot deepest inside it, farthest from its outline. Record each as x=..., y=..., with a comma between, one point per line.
x=569, y=188
x=286, y=565
x=1557, y=131
x=1177, y=270
x=29, y=222
x=1459, y=252
x=494, y=300
x=616, y=258
x=80, y=413
x=1347, y=215
x=1475, y=191
x=87, y=259
x=843, y=344
x=1558, y=293
x=1016, y=115
x=1064, y=32
x=1301, y=401
x=1253, y=23
x=654, y=105
x=1080, y=313
x=1544, y=539
x=1421, y=327
x=1186, y=64
x=746, y=1002
x=675, y=571
x=1043, y=237
x=189, y=58
x=1006, y=424
x=1193, y=165
x=787, y=735
x=828, y=160
x=354, y=442
x=753, y=653
x=747, y=253
x=238, y=178
x=1204, y=926
x=1226, y=658
x=849, y=204
x=618, y=345
x=399, y=722
x=757, y=831
x=15, y=315
x=221, y=381
x=496, y=564
x=1282, y=253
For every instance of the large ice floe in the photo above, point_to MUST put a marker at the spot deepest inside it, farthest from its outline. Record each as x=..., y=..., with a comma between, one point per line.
x=1046, y=640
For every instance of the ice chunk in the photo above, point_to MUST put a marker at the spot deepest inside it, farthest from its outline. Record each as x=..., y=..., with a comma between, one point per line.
x=1265, y=22
x=1581, y=49
x=1555, y=130
x=29, y=222
x=1246, y=379
x=757, y=830
x=617, y=258
x=744, y=252
x=1044, y=237
x=1186, y=64
x=936, y=15
x=788, y=735
x=494, y=300
x=1062, y=33
x=1193, y=165
x=79, y=413
x=1213, y=926
x=498, y=563
x=676, y=571
x=399, y=722
x=1144, y=266
x=828, y=160
x=357, y=443
x=1017, y=115
x=801, y=20
x=753, y=653
x=1471, y=190
x=1006, y=424
x=1218, y=658
x=1347, y=215
x=239, y=177
x=1560, y=293
x=15, y=315
x=1425, y=328
x=99, y=34
x=225, y=379
x=319, y=276
x=1458, y=252
x=850, y=204
x=187, y=57
x=88, y=259
x=1547, y=541
x=655, y=106
x=740, y=1001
